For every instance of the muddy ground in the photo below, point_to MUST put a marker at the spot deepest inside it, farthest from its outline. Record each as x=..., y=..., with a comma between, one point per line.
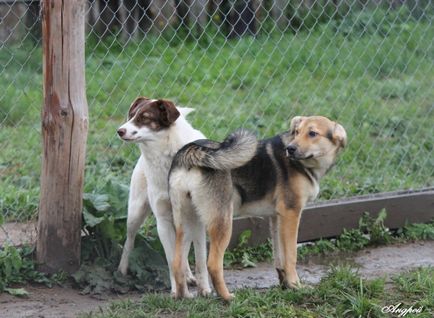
x=59, y=302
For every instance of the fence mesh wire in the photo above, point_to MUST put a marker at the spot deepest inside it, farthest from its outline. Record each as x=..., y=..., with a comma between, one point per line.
x=251, y=63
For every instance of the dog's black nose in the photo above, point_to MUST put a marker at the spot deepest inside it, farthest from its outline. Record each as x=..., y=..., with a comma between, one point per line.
x=121, y=132
x=291, y=149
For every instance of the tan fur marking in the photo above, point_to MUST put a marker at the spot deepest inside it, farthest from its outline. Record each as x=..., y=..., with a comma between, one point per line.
x=301, y=188
x=289, y=220
x=178, y=270
x=220, y=232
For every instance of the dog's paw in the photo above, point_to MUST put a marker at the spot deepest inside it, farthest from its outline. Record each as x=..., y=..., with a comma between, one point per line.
x=204, y=292
x=281, y=275
x=288, y=281
x=123, y=270
x=180, y=295
x=287, y=284
x=188, y=295
x=191, y=281
x=229, y=297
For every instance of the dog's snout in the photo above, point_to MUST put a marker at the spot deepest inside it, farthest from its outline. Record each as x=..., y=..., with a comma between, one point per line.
x=121, y=132
x=291, y=149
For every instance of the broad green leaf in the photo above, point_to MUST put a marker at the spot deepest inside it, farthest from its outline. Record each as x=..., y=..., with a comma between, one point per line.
x=90, y=219
x=99, y=202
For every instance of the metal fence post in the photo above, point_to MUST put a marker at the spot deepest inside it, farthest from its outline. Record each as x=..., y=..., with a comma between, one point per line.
x=64, y=133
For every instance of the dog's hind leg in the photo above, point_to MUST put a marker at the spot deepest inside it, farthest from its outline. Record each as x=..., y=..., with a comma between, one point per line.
x=179, y=264
x=220, y=231
x=138, y=209
x=191, y=280
x=199, y=241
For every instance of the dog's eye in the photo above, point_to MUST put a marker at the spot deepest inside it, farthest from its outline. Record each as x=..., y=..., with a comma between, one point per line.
x=312, y=133
x=296, y=132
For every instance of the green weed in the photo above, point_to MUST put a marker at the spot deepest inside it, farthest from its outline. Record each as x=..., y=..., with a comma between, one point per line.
x=104, y=225
x=420, y=231
x=247, y=256
x=17, y=267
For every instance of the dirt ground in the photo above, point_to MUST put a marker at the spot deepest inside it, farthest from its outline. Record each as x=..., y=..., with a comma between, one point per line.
x=61, y=302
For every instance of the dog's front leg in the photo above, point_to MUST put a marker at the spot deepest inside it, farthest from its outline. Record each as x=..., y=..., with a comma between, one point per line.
x=288, y=221
x=277, y=248
x=166, y=233
x=138, y=209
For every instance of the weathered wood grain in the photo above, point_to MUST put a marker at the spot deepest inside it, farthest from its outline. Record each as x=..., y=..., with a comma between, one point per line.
x=64, y=134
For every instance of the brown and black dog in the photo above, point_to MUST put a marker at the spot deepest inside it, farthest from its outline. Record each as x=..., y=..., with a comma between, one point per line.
x=212, y=182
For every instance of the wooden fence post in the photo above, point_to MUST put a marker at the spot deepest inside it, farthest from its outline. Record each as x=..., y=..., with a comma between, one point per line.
x=64, y=133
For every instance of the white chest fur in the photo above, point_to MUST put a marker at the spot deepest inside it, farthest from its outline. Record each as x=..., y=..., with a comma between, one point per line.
x=314, y=192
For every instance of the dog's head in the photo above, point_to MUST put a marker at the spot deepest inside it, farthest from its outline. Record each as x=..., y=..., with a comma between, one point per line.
x=147, y=118
x=316, y=141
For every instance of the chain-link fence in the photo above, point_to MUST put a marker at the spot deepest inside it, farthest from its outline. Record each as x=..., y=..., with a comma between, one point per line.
x=251, y=63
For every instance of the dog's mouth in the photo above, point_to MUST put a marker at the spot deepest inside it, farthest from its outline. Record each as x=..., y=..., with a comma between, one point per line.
x=128, y=139
x=297, y=157
x=307, y=157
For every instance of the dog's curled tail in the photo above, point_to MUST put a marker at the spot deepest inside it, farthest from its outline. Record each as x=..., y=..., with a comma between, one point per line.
x=236, y=150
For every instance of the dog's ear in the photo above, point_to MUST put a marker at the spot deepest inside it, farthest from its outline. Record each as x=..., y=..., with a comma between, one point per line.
x=340, y=135
x=168, y=112
x=135, y=105
x=295, y=123
x=185, y=110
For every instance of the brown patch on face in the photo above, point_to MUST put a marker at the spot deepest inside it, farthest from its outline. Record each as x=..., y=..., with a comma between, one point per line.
x=168, y=112
x=135, y=106
x=154, y=114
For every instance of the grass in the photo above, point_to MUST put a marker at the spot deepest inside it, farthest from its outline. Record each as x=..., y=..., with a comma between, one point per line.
x=378, y=86
x=341, y=293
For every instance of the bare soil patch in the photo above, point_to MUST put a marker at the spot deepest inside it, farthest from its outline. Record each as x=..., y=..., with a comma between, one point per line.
x=15, y=233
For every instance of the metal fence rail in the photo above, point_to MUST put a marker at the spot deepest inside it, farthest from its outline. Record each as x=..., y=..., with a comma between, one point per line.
x=250, y=63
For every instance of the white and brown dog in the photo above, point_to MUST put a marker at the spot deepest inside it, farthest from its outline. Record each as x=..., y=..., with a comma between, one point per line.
x=211, y=182
x=160, y=129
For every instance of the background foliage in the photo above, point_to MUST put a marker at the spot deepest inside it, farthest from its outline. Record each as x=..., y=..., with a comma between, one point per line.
x=371, y=70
